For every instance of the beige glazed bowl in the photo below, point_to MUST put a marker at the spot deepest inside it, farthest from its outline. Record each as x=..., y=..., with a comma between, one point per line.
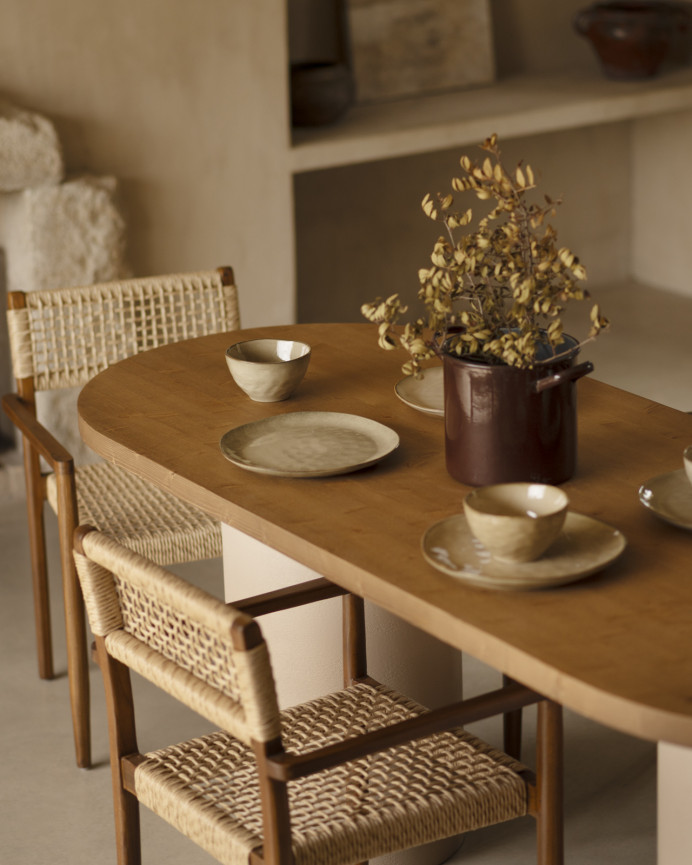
x=687, y=461
x=268, y=370
x=516, y=522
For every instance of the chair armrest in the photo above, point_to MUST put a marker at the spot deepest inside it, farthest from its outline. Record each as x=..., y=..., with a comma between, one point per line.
x=292, y=596
x=43, y=441
x=286, y=767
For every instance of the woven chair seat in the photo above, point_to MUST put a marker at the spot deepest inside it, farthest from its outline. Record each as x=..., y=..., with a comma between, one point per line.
x=141, y=516
x=436, y=787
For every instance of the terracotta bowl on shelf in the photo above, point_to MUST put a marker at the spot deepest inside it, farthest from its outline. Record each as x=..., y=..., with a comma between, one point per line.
x=635, y=38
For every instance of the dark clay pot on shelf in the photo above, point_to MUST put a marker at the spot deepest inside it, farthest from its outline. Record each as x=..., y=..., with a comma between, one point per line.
x=320, y=93
x=634, y=39
x=322, y=80
x=506, y=424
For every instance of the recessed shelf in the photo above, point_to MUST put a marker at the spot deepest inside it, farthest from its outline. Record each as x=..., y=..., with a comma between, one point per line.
x=522, y=105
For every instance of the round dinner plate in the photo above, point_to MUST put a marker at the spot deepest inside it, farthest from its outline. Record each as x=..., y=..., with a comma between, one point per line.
x=426, y=393
x=584, y=547
x=669, y=496
x=308, y=444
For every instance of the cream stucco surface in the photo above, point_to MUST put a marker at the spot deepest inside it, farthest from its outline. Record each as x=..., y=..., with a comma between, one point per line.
x=169, y=97
x=187, y=105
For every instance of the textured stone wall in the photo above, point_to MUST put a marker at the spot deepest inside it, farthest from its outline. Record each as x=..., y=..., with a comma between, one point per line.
x=30, y=150
x=54, y=231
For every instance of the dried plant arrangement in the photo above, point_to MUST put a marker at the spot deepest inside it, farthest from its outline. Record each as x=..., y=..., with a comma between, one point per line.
x=497, y=293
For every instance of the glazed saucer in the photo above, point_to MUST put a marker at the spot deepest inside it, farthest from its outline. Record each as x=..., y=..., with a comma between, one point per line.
x=426, y=393
x=584, y=547
x=669, y=496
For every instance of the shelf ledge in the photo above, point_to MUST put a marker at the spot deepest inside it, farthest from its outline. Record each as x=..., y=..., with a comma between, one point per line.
x=523, y=105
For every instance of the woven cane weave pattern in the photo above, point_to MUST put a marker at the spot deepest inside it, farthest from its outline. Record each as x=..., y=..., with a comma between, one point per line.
x=219, y=708
x=405, y=796
x=20, y=343
x=141, y=516
x=177, y=628
x=100, y=598
x=66, y=336
x=175, y=618
x=188, y=643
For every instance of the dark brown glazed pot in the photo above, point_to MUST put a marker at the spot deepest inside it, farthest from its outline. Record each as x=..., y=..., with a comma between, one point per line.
x=507, y=424
x=323, y=85
x=633, y=39
x=320, y=93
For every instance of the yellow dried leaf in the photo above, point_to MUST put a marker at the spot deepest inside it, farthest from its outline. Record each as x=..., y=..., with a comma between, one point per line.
x=429, y=207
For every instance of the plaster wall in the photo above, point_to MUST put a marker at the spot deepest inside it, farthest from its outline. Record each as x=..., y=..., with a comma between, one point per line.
x=662, y=196
x=365, y=235
x=153, y=92
x=187, y=105
x=537, y=36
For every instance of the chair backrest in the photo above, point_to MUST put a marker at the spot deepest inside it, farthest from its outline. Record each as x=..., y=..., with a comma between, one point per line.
x=63, y=337
x=201, y=651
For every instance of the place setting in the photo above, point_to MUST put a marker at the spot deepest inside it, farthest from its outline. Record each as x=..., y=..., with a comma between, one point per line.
x=517, y=536
x=669, y=495
x=423, y=392
x=302, y=444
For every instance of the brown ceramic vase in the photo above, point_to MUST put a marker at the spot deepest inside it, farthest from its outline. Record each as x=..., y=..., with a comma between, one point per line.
x=506, y=424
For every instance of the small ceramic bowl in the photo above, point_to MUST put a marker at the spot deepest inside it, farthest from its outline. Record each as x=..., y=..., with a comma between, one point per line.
x=516, y=522
x=687, y=461
x=268, y=370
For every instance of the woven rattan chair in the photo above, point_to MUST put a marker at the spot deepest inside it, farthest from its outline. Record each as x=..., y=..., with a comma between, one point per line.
x=62, y=338
x=358, y=773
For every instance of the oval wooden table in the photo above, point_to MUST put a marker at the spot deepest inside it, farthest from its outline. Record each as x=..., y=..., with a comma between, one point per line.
x=615, y=647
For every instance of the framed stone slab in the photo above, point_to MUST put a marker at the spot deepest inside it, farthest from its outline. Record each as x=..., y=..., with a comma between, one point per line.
x=411, y=47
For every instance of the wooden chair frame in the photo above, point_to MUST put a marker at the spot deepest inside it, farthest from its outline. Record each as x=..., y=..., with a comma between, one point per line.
x=276, y=767
x=39, y=443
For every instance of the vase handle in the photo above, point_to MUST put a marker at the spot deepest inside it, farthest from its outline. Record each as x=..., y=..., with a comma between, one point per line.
x=570, y=374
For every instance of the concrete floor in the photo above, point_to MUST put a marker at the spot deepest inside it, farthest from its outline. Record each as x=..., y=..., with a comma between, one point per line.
x=53, y=812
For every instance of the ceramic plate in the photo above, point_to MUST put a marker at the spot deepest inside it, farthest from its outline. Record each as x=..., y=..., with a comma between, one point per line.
x=669, y=496
x=584, y=547
x=425, y=394
x=308, y=444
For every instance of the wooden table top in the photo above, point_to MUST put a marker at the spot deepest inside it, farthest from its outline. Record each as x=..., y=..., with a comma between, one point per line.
x=615, y=647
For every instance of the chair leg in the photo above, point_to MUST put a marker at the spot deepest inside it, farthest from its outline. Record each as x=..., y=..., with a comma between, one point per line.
x=39, y=578
x=549, y=779
x=75, y=628
x=78, y=669
x=122, y=741
x=127, y=830
x=354, y=642
x=39, y=569
x=276, y=816
x=512, y=728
